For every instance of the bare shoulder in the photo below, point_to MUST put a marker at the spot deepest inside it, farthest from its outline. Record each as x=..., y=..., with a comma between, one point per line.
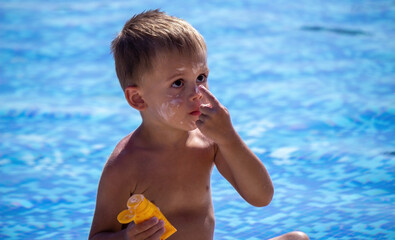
x=120, y=163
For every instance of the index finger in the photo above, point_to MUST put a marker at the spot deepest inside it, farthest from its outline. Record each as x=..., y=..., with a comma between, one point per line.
x=206, y=93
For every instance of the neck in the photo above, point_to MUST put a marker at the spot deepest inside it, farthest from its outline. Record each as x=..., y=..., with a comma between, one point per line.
x=160, y=137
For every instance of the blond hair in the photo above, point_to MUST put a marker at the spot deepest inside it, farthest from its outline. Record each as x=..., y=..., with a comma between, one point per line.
x=147, y=34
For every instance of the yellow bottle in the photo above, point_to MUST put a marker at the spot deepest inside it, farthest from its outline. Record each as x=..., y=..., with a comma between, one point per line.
x=141, y=209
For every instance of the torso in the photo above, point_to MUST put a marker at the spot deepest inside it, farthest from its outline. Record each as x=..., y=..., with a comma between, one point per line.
x=177, y=180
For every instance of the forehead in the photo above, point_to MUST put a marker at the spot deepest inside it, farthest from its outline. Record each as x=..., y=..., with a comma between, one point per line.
x=173, y=61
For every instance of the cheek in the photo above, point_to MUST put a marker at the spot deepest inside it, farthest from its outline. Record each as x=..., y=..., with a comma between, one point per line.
x=176, y=102
x=169, y=109
x=165, y=111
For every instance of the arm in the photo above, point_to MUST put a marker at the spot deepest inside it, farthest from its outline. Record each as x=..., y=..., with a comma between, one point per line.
x=234, y=160
x=110, y=201
x=113, y=191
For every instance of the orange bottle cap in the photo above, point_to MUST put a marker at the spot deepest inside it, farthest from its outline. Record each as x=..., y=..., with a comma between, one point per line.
x=136, y=201
x=126, y=216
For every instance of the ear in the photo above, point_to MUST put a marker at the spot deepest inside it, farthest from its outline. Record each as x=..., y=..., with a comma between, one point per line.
x=133, y=96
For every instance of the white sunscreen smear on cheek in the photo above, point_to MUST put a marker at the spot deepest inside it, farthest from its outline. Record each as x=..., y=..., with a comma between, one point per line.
x=176, y=102
x=168, y=109
x=165, y=111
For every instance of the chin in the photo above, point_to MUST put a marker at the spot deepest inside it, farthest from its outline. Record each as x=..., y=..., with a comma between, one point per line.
x=189, y=126
x=192, y=128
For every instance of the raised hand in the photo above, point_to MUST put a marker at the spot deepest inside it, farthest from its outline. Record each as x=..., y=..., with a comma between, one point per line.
x=214, y=121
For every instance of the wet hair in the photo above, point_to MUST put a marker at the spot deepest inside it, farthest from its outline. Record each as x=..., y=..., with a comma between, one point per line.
x=146, y=35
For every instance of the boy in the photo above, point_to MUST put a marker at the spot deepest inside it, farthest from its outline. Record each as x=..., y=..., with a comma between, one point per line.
x=161, y=65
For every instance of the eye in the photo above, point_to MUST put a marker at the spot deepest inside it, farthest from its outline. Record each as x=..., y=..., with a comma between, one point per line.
x=177, y=84
x=201, y=78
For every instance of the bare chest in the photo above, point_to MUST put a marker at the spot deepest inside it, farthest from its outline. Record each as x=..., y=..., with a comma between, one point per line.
x=177, y=181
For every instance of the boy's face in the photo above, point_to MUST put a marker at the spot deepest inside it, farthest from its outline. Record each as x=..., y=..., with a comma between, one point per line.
x=171, y=92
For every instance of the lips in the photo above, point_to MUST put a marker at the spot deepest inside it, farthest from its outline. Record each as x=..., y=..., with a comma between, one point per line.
x=195, y=113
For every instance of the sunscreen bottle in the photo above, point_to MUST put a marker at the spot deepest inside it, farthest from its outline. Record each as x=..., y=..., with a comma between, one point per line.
x=141, y=209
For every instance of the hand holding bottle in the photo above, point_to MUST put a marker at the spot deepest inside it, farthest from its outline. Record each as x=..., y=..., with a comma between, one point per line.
x=151, y=229
x=149, y=222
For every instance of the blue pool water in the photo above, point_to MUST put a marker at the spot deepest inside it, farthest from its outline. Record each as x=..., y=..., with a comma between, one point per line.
x=310, y=86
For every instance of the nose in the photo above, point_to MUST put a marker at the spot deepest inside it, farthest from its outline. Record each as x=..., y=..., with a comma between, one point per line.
x=196, y=94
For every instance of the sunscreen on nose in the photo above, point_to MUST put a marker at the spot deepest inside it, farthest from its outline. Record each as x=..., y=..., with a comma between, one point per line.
x=198, y=92
x=141, y=209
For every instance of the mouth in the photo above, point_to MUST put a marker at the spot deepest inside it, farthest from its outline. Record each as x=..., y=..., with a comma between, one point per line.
x=195, y=113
